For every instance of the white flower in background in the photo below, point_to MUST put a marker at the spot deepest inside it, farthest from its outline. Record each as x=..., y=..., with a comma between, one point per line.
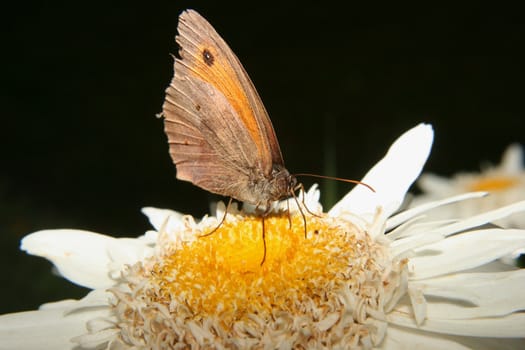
x=362, y=278
x=505, y=183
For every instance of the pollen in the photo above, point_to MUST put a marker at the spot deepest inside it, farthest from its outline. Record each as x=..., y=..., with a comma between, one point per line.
x=223, y=270
x=493, y=183
x=213, y=290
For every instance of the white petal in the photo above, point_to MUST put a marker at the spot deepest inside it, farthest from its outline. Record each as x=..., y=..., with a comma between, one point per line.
x=405, y=245
x=400, y=338
x=481, y=219
x=310, y=198
x=481, y=294
x=411, y=234
x=417, y=226
x=79, y=256
x=390, y=177
x=126, y=251
x=86, y=258
x=50, y=328
x=327, y=322
x=464, y=251
x=410, y=213
x=418, y=302
x=512, y=160
x=94, y=340
x=510, y=326
x=98, y=298
x=163, y=219
x=455, y=311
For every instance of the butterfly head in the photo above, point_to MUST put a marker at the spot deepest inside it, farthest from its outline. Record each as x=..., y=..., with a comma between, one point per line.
x=281, y=184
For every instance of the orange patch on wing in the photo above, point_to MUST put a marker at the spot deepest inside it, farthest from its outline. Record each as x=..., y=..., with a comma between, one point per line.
x=224, y=80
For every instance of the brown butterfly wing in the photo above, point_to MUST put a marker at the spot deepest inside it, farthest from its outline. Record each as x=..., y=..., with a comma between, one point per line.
x=220, y=136
x=201, y=125
x=206, y=56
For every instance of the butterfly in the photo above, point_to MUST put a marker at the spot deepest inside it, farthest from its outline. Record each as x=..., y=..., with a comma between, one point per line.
x=219, y=133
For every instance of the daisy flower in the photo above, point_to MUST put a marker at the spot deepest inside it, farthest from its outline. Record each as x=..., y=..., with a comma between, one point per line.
x=364, y=277
x=505, y=183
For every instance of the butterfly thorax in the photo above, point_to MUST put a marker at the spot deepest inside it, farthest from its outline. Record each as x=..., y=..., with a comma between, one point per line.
x=275, y=186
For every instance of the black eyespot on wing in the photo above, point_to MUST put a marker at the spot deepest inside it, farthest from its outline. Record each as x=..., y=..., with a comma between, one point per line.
x=208, y=57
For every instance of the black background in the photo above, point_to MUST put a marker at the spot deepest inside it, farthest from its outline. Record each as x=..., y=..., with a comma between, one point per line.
x=81, y=85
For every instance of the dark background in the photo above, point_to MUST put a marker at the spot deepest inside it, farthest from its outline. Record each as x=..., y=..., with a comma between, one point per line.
x=81, y=84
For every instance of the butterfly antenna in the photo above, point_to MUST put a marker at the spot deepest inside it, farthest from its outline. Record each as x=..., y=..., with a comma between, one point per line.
x=338, y=179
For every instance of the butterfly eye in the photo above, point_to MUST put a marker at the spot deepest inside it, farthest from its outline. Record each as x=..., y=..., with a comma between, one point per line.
x=208, y=57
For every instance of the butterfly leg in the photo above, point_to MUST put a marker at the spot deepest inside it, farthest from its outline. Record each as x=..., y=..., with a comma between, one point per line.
x=264, y=240
x=300, y=209
x=222, y=220
x=263, y=217
x=300, y=186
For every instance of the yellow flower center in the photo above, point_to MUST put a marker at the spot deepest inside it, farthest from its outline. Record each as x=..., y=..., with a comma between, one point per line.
x=495, y=183
x=223, y=271
x=329, y=289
